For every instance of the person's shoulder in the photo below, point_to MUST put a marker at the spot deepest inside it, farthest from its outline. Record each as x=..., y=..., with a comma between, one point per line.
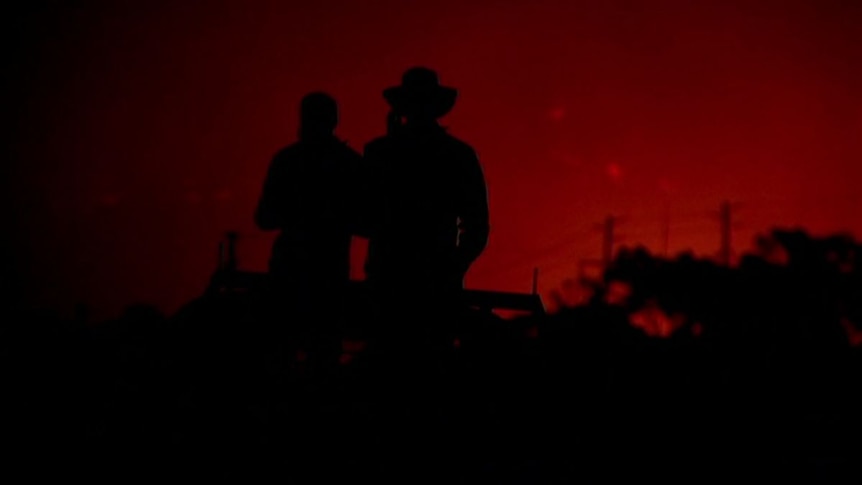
x=459, y=146
x=288, y=151
x=380, y=146
x=344, y=149
x=379, y=143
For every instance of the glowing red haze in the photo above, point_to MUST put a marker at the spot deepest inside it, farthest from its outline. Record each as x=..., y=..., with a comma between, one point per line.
x=138, y=135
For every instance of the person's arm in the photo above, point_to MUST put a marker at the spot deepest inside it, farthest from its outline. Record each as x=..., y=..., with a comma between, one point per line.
x=473, y=223
x=367, y=205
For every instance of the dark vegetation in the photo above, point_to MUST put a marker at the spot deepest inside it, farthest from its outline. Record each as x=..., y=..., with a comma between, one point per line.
x=673, y=368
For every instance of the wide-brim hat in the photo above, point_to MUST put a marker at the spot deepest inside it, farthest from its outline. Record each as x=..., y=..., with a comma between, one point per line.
x=420, y=92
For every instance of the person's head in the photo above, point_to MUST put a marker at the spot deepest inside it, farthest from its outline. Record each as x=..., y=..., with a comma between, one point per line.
x=420, y=97
x=318, y=116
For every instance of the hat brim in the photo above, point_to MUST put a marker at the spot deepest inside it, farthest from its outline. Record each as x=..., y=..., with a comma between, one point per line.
x=436, y=101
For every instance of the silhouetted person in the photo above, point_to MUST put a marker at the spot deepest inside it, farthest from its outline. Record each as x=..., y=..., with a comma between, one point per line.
x=308, y=195
x=428, y=205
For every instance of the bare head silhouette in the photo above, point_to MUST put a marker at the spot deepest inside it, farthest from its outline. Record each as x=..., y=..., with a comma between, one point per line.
x=318, y=114
x=420, y=97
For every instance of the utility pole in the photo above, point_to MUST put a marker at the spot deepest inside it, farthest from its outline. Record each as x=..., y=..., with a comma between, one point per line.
x=665, y=229
x=726, y=228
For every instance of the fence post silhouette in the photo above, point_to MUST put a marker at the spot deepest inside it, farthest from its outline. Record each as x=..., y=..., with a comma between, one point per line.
x=231, y=263
x=725, y=214
x=535, y=281
x=608, y=241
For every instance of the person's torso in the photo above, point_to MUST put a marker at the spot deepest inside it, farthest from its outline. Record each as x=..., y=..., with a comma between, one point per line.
x=419, y=190
x=420, y=185
x=318, y=184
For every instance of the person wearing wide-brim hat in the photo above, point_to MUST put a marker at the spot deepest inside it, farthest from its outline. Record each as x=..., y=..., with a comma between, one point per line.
x=428, y=204
x=421, y=95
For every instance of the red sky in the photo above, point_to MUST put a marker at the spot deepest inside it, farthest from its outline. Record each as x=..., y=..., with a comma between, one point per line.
x=139, y=133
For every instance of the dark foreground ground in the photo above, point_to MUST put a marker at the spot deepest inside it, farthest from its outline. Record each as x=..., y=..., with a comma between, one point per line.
x=756, y=376
x=576, y=396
